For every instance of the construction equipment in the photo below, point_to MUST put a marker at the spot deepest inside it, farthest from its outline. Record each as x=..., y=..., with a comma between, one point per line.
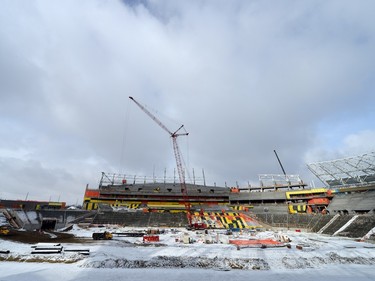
x=151, y=238
x=197, y=226
x=281, y=165
x=102, y=235
x=177, y=153
x=4, y=230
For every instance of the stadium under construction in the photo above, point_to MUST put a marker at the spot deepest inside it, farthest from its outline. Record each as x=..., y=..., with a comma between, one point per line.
x=347, y=202
x=344, y=178
x=284, y=194
x=349, y=189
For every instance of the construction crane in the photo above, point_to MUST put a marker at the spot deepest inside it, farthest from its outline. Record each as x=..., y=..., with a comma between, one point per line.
x=177, y=154
x=281, y=165
x=282, y=168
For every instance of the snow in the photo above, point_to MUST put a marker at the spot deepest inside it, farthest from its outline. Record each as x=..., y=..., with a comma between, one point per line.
x=368, y=235
x=128, y=258
x=67, y=272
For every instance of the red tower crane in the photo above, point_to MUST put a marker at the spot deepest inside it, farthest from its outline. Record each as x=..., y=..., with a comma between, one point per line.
x=177, y=154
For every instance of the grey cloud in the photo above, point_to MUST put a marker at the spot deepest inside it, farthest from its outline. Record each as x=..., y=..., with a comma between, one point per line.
x=245, y=78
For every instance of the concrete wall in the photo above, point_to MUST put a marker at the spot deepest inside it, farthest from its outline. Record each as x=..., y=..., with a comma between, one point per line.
x=140, y=219
x=257, y=196
x=359, y=227
x=337, y=224
x=362, y=225
x=304, y=221
x=359, y=202
x=32, y=220
x=270, y=209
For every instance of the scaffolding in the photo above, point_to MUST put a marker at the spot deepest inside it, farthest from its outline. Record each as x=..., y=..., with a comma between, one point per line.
x=113, y=179
x=352, y=171
x=271, y=180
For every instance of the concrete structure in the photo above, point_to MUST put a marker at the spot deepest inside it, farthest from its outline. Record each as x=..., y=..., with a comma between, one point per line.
x=350, y=203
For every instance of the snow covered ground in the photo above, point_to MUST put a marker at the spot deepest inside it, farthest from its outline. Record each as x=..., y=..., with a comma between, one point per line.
x=128, y=258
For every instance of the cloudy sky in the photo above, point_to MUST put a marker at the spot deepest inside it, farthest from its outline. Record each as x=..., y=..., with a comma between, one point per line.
x=244, y=77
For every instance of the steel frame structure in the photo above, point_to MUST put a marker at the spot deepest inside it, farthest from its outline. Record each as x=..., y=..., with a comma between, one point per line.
x=352, y=171
x=279, y=180
x=121, y=179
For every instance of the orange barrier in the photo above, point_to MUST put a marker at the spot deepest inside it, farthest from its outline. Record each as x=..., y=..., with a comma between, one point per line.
x=258, y=242
x=151, y=238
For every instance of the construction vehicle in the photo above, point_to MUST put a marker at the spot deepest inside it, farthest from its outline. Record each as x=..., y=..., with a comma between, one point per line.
x=4, y=230
x=177, y=153
x=102, y=235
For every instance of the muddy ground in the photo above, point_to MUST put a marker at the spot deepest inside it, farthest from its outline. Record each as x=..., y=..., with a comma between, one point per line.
x=32, y=237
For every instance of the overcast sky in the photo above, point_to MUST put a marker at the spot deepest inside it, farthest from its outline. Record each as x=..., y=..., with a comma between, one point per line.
x=244, y=77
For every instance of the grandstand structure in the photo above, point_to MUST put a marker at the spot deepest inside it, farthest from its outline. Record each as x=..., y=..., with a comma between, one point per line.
x=352, y=177
x=276, y=193
x=357, y=171
x=151, y=194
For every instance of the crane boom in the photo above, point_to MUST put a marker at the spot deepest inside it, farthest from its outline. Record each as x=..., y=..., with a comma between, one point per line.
x=180, y=169
x=153, y=117
x=281, y=165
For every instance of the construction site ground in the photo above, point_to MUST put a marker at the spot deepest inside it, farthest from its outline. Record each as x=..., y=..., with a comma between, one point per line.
x=186, y=255
x=33, y=237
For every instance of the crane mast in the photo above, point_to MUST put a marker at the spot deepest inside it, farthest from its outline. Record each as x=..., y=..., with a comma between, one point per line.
x=177, y=154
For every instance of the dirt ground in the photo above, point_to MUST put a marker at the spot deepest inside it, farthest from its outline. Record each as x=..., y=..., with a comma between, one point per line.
x=32, y=237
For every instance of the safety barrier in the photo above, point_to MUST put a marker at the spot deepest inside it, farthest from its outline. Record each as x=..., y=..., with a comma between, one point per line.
x=151, y=238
